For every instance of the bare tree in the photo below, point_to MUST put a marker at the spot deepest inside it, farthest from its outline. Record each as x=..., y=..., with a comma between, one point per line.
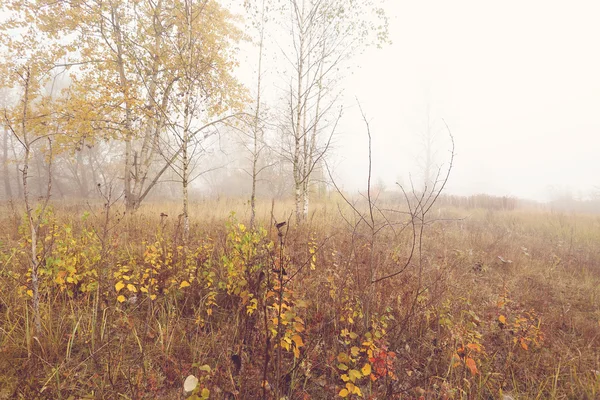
x=324, y=34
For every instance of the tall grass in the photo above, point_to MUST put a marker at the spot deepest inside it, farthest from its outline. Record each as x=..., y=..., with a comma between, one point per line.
x=498, y=303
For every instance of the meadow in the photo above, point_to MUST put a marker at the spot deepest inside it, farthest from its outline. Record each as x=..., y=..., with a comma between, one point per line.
x=464, y=304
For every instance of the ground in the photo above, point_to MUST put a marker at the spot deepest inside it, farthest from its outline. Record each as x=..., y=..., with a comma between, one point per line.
x=480, y=304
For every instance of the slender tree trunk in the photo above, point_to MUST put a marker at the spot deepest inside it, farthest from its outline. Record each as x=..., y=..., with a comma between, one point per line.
x=33, y=229
x=184, y=181
x=5, y=172
x=131, y=202
x=256, y=131
x=187, y=120
x=81, y=171
x=299, y=131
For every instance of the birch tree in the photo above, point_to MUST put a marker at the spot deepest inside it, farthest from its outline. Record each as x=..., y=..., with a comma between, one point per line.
x=128, y=63
x=33, y=122
x=324, y=35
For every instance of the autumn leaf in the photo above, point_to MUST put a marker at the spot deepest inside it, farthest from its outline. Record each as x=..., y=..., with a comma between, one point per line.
x=472, y=366
x=184, y=284
x=119, y=285
x=344, y=393
x=343, y=358
x=205, y=393
x=502, y=319
x=131, y=288
x=474, y=346
x=366, y=369
x=297, y=339
x=354, y=375
x=121, y=298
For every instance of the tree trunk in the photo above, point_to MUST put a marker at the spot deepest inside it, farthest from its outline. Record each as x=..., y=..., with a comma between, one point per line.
x=130, y=200
x=256, y=131
x=5, y=172
x=33, y=228
x=81, y=171
x=187, y=120
x=299, y=131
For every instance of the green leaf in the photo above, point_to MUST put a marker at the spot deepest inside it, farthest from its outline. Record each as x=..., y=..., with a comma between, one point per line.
x=205, y=368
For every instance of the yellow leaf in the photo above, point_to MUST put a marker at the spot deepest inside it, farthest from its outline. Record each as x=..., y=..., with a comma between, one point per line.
x=502, y=319
x=152, y=297
x=343, y=358
x=121, y=298
x=205, y=368
x=354, y=350
x=131, y=288
x=205, y=393
x=298, y=340
x=120, y=285
x=144, y=290
x=366, y=369
x=184, y=284
x=30, y=293
x=354, y=375
x=296, y=352
x=343, y=393
x=343, y=367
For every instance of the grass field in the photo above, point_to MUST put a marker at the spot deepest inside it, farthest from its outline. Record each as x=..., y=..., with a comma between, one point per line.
x=491, y=304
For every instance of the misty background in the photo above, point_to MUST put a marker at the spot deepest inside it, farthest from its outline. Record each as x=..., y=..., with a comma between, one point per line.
x=517, y=83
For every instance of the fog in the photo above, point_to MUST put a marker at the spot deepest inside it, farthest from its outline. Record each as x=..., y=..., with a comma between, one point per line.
x=517, y=83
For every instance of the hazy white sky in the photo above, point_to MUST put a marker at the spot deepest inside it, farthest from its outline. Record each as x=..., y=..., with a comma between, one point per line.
x=518, y=82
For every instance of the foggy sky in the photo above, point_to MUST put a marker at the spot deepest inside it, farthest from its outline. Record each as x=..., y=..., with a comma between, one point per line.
x=517, y=82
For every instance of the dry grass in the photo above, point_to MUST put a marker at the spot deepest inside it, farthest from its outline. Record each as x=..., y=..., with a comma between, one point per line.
x=496, y=303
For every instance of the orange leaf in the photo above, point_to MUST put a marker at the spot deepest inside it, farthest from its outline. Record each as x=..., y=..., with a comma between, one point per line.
x=474, y=346
x=472, y=366
x=502, y=319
